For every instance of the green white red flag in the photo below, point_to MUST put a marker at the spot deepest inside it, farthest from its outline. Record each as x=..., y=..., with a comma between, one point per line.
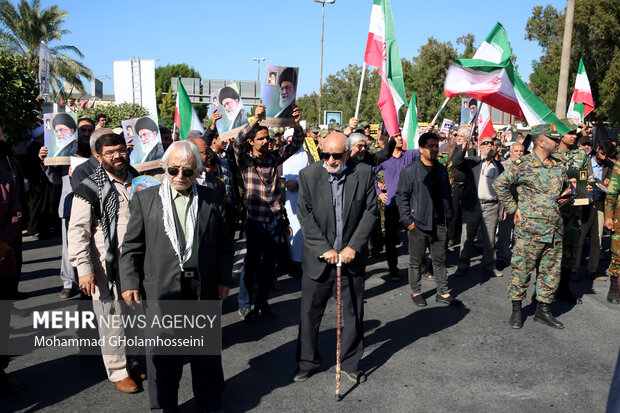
x=485, y=126
x=490, y=77
x=581, y=103
x=382, y=53
x=410, y=128
x=185, y=117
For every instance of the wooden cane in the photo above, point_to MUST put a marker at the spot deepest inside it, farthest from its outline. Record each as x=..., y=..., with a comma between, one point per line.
x=338, y=323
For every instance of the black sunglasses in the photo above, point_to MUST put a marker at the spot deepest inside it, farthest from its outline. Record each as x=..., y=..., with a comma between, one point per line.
x=486, y=143
x=174, y=171
x=336, y=156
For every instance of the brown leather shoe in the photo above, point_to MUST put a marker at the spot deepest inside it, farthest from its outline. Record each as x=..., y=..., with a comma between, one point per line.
x=127, y=385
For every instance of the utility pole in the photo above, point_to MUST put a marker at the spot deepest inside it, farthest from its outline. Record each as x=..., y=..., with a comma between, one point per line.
x=322, y=37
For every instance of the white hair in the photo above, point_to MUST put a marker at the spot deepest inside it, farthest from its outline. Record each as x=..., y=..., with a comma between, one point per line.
x=98, y=133
x=188, y=150
x=354, y=138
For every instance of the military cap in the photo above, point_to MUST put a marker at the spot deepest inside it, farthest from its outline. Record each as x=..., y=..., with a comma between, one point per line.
x=228, y=93
x=323, y=133
x=146, y=123
x=63, y=119
x=288, y=74
x=547, y=129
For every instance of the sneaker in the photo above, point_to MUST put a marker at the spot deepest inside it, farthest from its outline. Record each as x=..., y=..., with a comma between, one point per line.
x=495, y=273
x=418, y=300
x=449, y=300
x=356, y=376
x=243, y=312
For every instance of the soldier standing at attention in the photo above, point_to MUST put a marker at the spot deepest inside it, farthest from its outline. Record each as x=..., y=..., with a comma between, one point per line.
x=572, y=157
x=539, y=180
x=612, y=223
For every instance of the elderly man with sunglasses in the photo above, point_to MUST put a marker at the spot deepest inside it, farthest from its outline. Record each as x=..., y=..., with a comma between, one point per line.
x=178, y=247
x=479, y=204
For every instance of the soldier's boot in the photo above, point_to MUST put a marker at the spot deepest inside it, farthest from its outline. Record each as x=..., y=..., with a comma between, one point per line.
x=543, y=315
x=564, y=292
x=613, y=296
x=516, y=318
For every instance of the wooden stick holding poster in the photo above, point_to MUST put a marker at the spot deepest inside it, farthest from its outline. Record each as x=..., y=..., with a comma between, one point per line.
x=443, y=105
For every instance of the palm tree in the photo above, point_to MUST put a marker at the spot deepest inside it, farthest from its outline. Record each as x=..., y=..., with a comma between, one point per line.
x=23, y=28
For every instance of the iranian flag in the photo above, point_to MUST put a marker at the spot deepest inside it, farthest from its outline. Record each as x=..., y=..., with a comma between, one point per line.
x=490, y=77
x=485, y=126
x=185, y=117
x=410, y=128
x=581, y=103
x=382, y=53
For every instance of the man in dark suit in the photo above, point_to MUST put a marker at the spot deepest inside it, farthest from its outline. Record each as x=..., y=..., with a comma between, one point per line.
x=334, y=225
x=178, y=247
x=480, y=205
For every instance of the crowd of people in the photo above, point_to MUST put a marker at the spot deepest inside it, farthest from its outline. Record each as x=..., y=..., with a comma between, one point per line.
x=307, y=201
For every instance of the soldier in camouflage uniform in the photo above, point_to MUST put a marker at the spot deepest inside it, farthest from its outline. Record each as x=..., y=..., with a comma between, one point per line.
x=539, y=180
x=612, y=223
x=572, y=157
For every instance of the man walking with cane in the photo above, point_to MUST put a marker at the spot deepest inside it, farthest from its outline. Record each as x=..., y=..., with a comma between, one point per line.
x=336, y=226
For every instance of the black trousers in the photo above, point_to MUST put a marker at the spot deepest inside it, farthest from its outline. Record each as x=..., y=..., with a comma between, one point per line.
x=392, y=226
x=454, y=226
x=314, y=296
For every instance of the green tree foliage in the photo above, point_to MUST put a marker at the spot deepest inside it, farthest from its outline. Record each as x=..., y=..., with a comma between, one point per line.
x=115, y=113
x=596, y=31
x=18, y=94
x=23, y=28
x=163, y=87
x=469, y=47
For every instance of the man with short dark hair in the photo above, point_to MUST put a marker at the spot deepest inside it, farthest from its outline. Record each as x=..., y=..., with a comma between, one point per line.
x=423, y=200
x=264, y=223
x=99, y=217
x=101, y=120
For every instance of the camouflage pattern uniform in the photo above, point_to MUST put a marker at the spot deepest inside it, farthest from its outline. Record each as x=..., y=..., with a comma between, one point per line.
x=612, y=210
x=538, y=236
x=374, y=147
x=571, y=215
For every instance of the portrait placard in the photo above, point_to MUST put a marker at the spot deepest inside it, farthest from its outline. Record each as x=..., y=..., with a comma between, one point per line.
x=279, y=93
x=141, y=183
x=332, y=116
x=60, y=135
x=147, y=149
x=230, y=106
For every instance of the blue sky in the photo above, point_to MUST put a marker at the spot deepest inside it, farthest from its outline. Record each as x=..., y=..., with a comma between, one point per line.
x=220, y=38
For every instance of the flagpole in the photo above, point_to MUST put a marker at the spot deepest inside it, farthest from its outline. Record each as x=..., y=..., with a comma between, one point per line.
x=473, y=123
x=359, y=93
x=440, y=109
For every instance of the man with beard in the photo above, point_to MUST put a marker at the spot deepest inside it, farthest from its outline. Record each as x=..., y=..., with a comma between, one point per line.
x=178, y=247
x=151, y=148
x=540, y=181
x=359, y=150
x=64, y=130
x=99, y=218
x=287, y=82
x=480, y=205
x=235, y=113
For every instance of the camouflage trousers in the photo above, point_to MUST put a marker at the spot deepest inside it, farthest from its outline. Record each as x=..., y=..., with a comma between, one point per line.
x=572, y=232
x=614, y=265
x=528, y=255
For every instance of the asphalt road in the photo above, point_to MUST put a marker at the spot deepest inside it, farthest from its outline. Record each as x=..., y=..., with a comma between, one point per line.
x=417, y=360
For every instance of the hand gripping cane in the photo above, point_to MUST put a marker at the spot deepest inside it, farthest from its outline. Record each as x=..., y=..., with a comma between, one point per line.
x=338, y=323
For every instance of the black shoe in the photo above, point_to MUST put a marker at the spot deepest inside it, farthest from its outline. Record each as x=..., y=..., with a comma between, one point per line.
x=418, y=300
x=449, y=300
x=516, y=318
x=543, y=315
x=8, y=385
x=356, y=376
x=251, y=316
x=276, y=286
x=303, y=375
x=267, y=313
x=460, y=272
x=66, y=293
x=565, y=294
x=613, y=296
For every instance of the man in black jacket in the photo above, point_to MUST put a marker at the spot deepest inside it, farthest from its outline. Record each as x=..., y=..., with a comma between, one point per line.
x=479, y=204
x=423, y=199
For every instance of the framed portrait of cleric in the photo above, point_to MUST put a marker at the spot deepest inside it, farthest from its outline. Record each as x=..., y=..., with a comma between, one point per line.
x=279, y=98
x=143, y=134
x=581, y=193
x=60, y=137
x=468, y=110
x=234, y=114
x=331, y=117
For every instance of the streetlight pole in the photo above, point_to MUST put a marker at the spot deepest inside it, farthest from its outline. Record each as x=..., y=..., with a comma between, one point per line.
x=322, y=37
x=258, y=60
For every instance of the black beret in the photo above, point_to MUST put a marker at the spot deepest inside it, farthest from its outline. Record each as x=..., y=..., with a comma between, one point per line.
x=63, y=119
x=146, y=123
x=227, y=93
x=289, y=74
